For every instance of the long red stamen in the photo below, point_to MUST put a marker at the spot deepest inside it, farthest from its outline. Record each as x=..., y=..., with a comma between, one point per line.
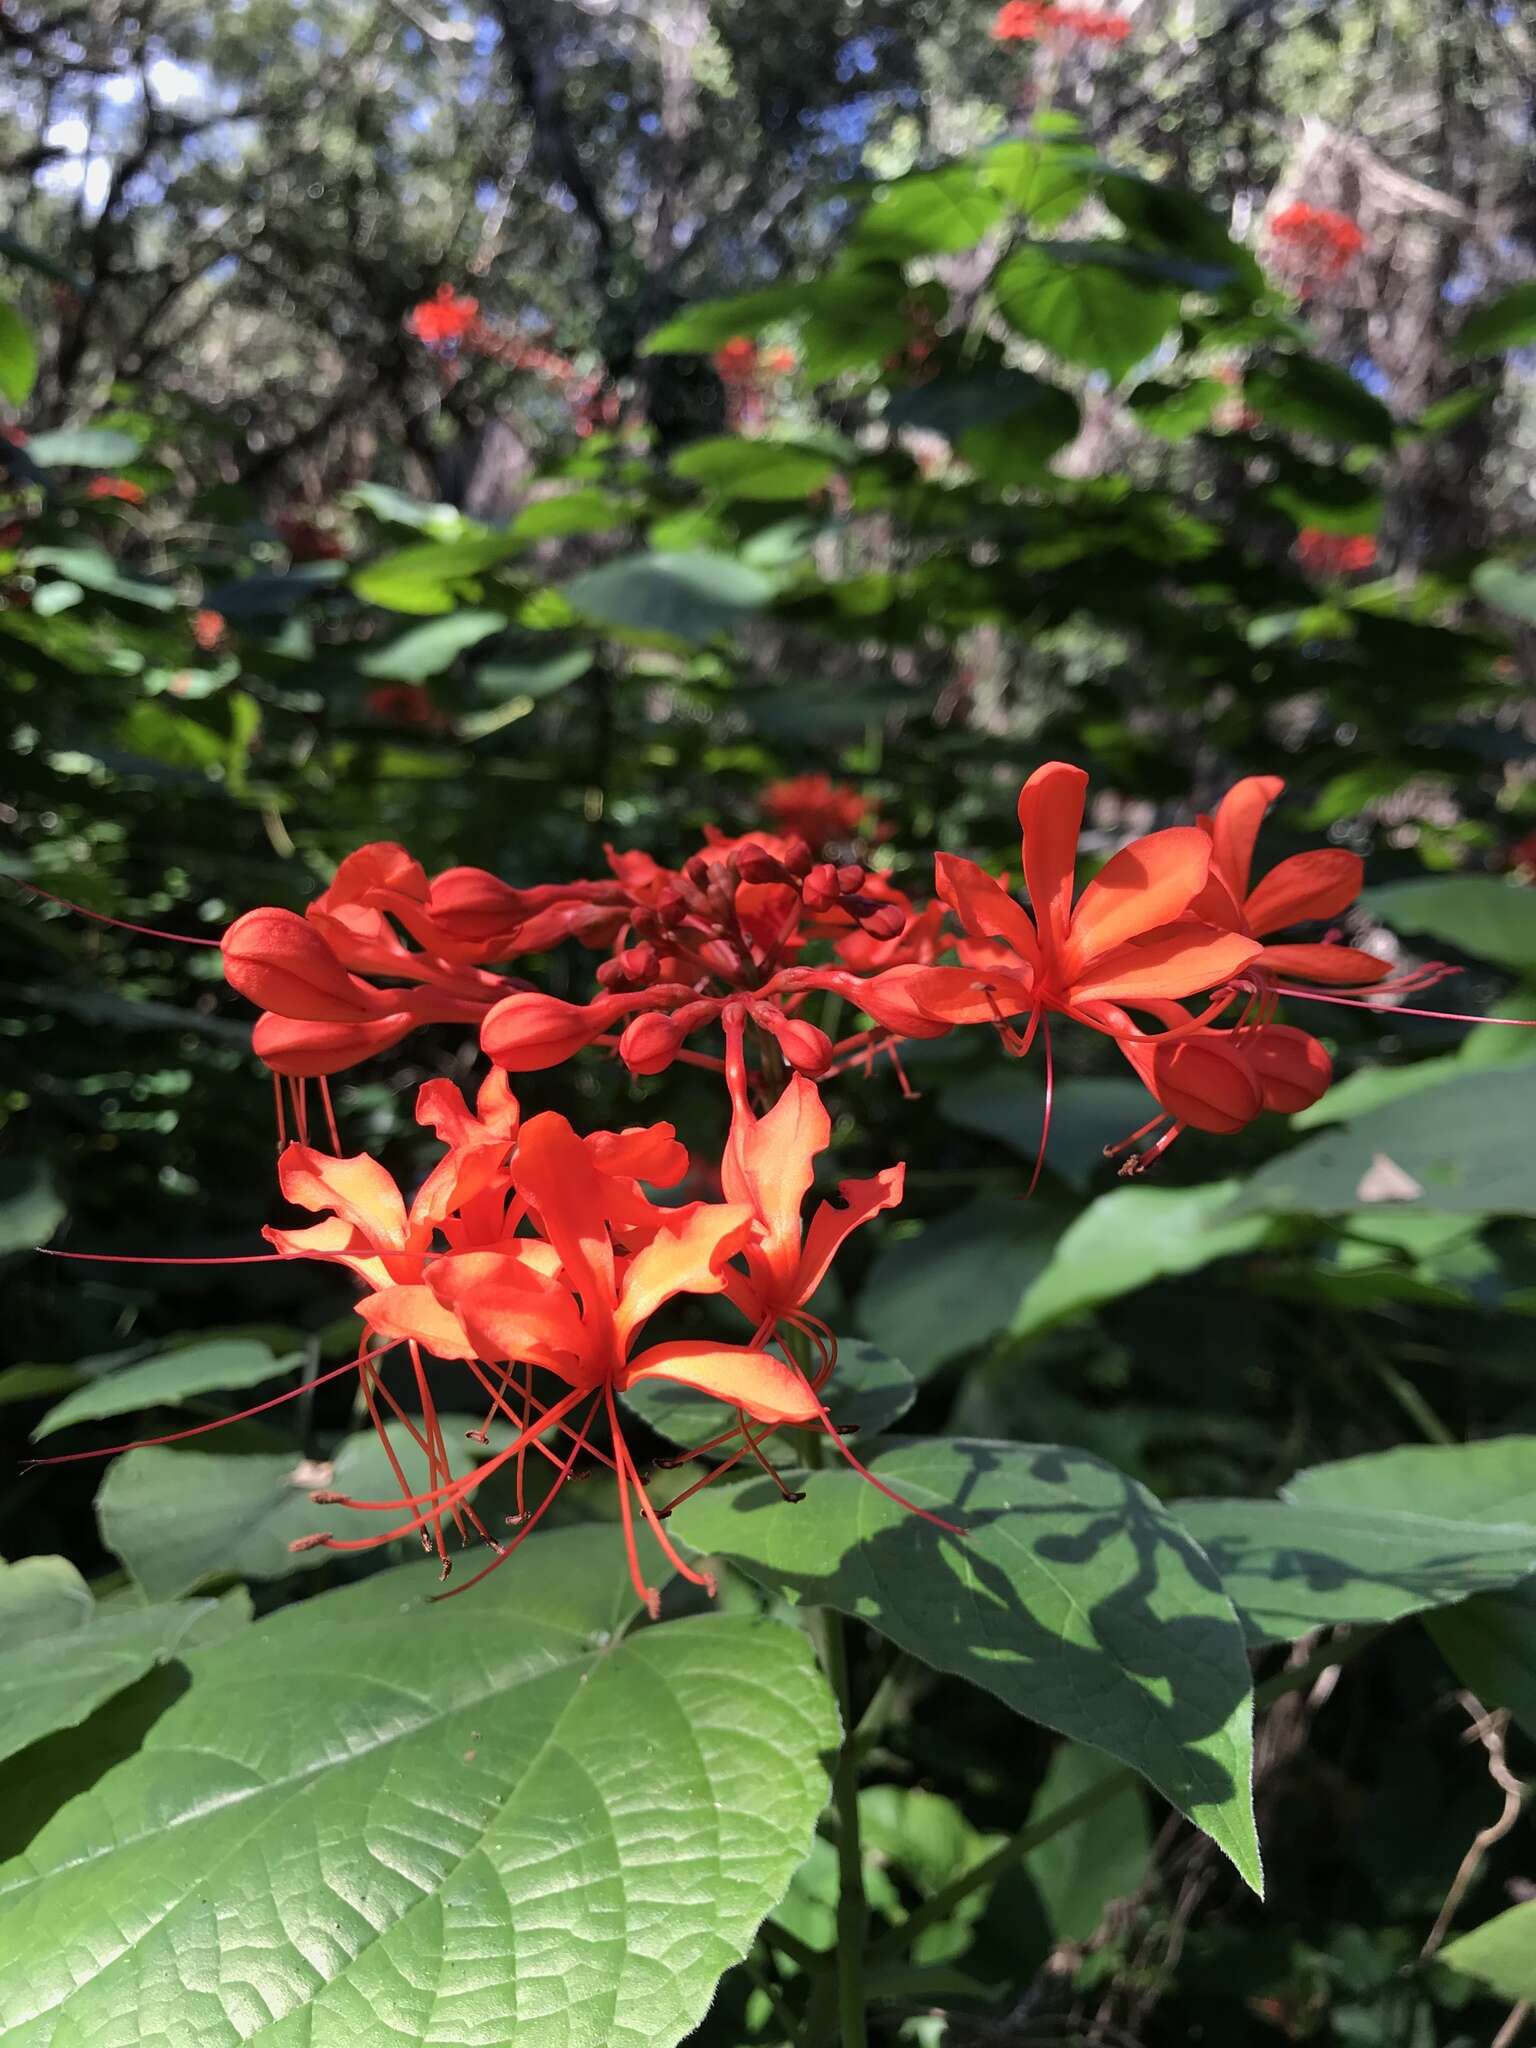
x=147, y=931
x=1312, y=995
x=649, y=1598
x=580, y=1442
x=1050, y=1097
x=330, y=1115
x=177, y=1436
x=627, y=1465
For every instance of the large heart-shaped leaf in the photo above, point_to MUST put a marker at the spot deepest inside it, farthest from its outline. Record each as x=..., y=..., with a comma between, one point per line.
x=681, y=596
x=930, y=213
x=427, y=650
x=432, y=576
x=62, y=1653
x=1095, y=303
x=490, y=1820
x=766, y=471
x=1073, y=1596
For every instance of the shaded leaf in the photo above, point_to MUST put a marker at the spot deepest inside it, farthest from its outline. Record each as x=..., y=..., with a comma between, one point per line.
x=757, y=470
x=1130, y=1237
x=94, y=569
x=868, y=1389
x=218, y=1365
x=1099, y=304
x=953, y=1286
x=1081, y=1871
x=1477, y=914
x=1508, y=589
x=30, y=1208
x=1086, y=1115
x=1073, y=1596
x=1309, y=396
x=684, y=597
x=427, y=650
x=1501, y=1953
x=1509, y=321
x=1490, y=1644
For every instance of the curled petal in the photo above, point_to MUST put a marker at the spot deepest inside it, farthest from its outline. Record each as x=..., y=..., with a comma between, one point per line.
x=1235, y=828
x=510, y=1309
x=414, y=1313
x=923, y=1002
x=764, y=1386
x=1149, y=883
x=1050, y=818
x=357, y=1189
x=648, y=1152
x=859, y=1199
x=1308, y=885
x=686, y=1256
x=984, y=906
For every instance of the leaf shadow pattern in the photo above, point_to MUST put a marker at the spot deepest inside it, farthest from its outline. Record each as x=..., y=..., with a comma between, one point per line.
x=1074, y=1596
x=1292, y=1567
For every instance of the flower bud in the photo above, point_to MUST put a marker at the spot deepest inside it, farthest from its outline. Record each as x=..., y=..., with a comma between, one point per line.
x=850, y=879
x=805, y=1047
x=798, y=857
x=282, y=964
x=884, y=921
x=1292, y=1070
x=757, y=864
x=1206, y=1082
x=527, y=1031
x=306, y=1049
x=633, y=968
x=819, y=890
x=650, y=1044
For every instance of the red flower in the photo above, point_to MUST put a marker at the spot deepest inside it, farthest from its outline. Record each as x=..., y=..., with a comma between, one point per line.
x=1023, y=20
x=208, y=629
x=736, y=360
x=444, y=319
x=404, y=704
x=1018, y=21
x=306, y=540
x=1314, y=242
x=816, y=809
x=1308, y=887
x=115, y=487
x=1333, y=554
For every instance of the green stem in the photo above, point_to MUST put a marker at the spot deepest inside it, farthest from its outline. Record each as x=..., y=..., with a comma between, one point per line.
x=852, y=1906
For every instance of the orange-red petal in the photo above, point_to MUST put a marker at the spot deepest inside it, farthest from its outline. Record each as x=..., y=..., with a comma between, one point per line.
x=1149, y=883
x=414, y=1312
x=1050, y=818
x=764, y=1386
x=686, y=1256
x=357, y=1189
x=1235, y=828
x=1329, y=966
x=984, y=906
x=1180, y=960
x=859, y=1199
x=1320, y=883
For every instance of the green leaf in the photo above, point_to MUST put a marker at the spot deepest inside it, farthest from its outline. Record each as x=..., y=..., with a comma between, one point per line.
x=1467, y=1147
x=94, y=569
x=370, y=1818
x=1485, y=1483
x=1308, y=396
x=433, y=576
x=18, y=357
x=30, y=1209
x=929, y=213
x=1130, y=1237
x=393, y=508
x=1005, y=423
x=1292, y=1567
x=177, y=1518
x=1450, y=412
x=1086, y=1115
x=700, y=329
x=265, y=597
x=427, y=650
x=567, y=512
x=1501, y=1953
x=765, y=471
x=84, y=448
x=1098, y=304
x=1507, y=589
x=688, y=597
x=869, y=1389
x=1509, y=321
x=1490, y=1644
x=1081, y=1871
x=1175, y=411
x=1043, y=181
x=218, y=1365
x=1161, y=216
x=62, y=1654
x=1073, y=1596
x=959, y=1282
x=1477, y=914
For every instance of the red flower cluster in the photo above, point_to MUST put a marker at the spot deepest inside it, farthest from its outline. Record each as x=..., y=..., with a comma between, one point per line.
x=1315, y=243
x=452, y=325
x=1333, y=554
x=533, y=1258
x=1026, y=20
x=116, y=488
x=816, y=809
x=208, y=629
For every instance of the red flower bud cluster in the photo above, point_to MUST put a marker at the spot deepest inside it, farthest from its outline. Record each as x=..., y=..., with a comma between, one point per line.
x=1333, y=554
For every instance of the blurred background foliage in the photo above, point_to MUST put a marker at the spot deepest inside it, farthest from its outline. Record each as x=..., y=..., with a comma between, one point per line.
x=1036, y=445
